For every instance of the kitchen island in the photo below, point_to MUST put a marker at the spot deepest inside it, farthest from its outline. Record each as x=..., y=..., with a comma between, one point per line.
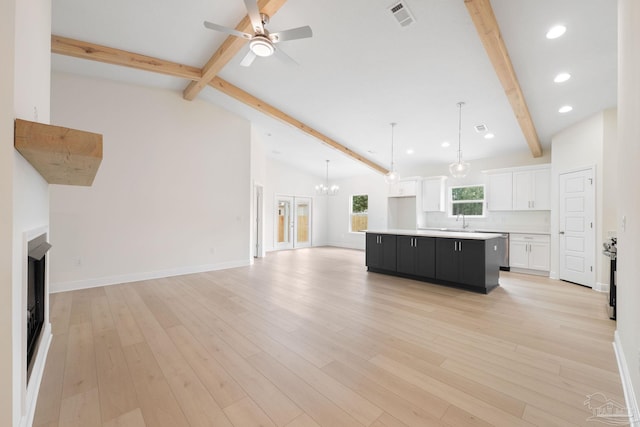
x=468, y=260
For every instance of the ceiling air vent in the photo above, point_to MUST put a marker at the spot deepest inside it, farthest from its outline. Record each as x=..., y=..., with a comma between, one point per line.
x=402, y=14
x=480, y=128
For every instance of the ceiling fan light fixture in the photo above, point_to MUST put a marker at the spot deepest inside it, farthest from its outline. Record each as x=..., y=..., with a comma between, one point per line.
x=261, y=46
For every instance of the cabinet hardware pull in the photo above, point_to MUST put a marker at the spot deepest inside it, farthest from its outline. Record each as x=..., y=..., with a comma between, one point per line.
x=460, y=246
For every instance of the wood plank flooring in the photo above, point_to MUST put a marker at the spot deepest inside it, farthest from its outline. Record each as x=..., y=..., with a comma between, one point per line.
x=309, y=338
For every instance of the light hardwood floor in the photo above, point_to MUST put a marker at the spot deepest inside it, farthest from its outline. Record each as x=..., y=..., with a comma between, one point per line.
x=309, y=338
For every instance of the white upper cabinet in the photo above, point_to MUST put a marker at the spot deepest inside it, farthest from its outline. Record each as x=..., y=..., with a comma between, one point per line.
x=531, y=189
x=500, y=191
x=433, y=194
x=404, y=188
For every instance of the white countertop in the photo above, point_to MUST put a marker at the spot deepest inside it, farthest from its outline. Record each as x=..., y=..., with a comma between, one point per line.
x=438, y=233
x=489, y=230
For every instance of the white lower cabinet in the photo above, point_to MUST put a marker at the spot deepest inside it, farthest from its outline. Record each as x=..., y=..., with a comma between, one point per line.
x=529, y=251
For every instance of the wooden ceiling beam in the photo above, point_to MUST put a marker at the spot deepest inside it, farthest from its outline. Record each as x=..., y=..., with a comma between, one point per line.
x=487, y=26
x=229, y=48
x=94, y=52
x=271, y=111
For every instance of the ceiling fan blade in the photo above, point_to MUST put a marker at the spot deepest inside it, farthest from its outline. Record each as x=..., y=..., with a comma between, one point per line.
x=254, y=15
x=292, y=34
x=284, y=57
x=248, y=59
x=216, y=27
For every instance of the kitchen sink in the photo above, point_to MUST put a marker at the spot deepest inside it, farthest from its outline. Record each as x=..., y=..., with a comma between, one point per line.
x=463, y=230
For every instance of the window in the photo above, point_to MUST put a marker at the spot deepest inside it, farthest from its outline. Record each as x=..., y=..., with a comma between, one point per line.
x=467, y=200
x=358, y=212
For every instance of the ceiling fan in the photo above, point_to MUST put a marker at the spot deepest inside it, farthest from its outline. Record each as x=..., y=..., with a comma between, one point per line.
x=262, y=42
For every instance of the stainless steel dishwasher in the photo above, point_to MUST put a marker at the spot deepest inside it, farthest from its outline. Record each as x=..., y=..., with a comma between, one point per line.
x=504, y=259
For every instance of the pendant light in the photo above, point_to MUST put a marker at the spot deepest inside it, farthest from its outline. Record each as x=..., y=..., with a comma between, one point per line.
x=392, y=177
x=459, y=169
x=324, y=189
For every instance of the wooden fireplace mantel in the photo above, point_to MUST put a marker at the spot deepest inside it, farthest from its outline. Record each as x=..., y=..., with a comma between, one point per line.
x=61, y=155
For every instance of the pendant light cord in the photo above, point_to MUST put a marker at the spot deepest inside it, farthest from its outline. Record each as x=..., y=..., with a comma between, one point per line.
x=326, y=181
x=460, y=104
x=393, y=168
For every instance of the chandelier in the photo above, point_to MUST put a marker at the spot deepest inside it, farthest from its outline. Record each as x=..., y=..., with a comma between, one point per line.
x=323, y=189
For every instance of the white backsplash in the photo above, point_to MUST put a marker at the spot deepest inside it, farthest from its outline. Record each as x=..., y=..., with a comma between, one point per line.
x=514, y=221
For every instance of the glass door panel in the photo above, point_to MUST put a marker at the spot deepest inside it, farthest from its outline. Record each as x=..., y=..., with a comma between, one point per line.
x=284, y=222
x=303, y=222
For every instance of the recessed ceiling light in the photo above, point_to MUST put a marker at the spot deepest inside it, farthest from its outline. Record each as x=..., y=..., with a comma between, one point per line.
x=489, y=136
x=565, y=109
x=410, y=151
x=562, y=77
x=276, y=152
x=445, y=144
x=555, y=32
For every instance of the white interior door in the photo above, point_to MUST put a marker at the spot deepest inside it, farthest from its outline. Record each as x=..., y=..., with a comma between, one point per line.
x=577, y=228
x=302, y=226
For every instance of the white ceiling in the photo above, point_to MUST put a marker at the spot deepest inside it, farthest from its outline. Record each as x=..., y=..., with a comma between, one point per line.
x=361, y=71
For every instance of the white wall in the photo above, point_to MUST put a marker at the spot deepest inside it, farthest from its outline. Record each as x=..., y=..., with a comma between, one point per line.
x=583, y=145
x=30, y=191
x=258, y=179
x=172, y=194
x=627, y=336
x=7, y=50
x=374, y=186
x=283, y=179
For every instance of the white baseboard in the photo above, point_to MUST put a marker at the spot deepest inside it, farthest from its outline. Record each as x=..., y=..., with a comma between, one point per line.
x=148, y=275
x=346, y=245
x=529, y=271
x=601, y=287
x=33, y=388
x=629, y=394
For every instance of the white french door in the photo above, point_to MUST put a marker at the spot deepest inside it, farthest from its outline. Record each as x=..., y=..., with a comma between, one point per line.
x=577, y=227
x=302, y=226
x=293, y=222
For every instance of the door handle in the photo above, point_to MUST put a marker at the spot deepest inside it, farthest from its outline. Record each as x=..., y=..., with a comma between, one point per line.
x=561, y=232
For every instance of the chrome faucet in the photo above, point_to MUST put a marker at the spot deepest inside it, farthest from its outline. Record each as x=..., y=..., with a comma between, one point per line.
x=464, y=223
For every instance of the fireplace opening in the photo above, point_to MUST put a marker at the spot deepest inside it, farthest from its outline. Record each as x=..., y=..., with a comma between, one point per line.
x=36, y=276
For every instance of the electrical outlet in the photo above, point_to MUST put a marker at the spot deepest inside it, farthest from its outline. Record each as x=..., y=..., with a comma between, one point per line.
x=77, y=262
x=212, y=251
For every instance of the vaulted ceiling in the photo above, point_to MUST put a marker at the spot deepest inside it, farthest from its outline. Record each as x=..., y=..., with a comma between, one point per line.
x=361, y=70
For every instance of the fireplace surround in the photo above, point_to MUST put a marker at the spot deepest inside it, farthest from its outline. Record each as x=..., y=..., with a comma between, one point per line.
x=36, y=279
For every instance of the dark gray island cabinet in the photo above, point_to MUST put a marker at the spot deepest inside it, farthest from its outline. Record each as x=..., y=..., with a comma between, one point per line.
x=462, y=259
